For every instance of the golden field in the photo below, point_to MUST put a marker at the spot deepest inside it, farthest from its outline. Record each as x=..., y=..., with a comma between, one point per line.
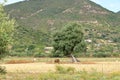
x=38, y=66
x=46, y=69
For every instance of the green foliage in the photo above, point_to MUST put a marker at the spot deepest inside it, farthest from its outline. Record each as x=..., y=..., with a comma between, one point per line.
x=30, y=41
x=2, y=70
x=61, y=69
x=102, y=54
x=92, y=75
x=81, y=75
x=37, y=21
x=18, y=54
x=41, y=54
x=36, y=13
x=64, y=70
x=6, y=32
x=69, y=40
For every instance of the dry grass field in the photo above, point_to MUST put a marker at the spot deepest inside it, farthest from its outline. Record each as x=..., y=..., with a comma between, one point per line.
x=105, y=67
x=38, y=66
x=46, y=69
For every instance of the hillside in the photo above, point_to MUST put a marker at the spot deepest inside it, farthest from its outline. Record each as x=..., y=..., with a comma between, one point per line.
x=37, y=19
x=118, y=12
x=44, y=13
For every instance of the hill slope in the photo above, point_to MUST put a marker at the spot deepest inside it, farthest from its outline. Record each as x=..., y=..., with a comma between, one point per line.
x=38, y=18
x=118, y=12
x=45, y=13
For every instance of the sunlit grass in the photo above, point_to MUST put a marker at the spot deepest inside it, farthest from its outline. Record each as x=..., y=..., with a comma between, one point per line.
x=45, y=69
x=79, y=75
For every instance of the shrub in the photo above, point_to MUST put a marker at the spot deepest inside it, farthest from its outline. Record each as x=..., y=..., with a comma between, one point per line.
x=40, y=54
x=101, y=54
x=64, y=70
x=18, y=54
x=70, y=69
x=2, y=70
x=116, y=54
x=60, y=69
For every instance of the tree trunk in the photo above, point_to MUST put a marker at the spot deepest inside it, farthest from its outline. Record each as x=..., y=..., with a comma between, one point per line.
x=74, y=60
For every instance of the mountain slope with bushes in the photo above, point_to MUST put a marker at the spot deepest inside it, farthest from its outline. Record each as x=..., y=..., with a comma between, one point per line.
x=38, y=19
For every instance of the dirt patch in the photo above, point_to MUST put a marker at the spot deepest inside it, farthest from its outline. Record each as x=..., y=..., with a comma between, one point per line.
x=19, y=61
x=56, y=61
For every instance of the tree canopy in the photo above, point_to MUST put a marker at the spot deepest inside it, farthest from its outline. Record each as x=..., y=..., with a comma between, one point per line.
x=6, y=31
x=69, y=40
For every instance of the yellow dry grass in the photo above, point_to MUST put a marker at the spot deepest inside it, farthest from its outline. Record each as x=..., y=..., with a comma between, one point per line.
x=105, y=67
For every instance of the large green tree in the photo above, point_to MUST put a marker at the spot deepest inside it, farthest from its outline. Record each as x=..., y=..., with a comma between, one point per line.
x=69, y=40
x=6, y=32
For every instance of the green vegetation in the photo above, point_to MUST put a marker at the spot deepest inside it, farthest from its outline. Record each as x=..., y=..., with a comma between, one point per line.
x=2, y=70
x=63, y=70
x=118, y=13
x=6, y=32
x=38, y=19
x=69, y=40
x=49, y=13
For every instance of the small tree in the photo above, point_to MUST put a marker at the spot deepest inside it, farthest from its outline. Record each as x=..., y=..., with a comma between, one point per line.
x=6, y=31
x=69, y=40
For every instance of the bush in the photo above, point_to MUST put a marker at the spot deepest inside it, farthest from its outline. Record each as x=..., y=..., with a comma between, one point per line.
x=58, y=54
x=40, y=54
x=64, y=70
x=101, y=54
x=2, y=70
x=116, y=54
x=18, y=54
